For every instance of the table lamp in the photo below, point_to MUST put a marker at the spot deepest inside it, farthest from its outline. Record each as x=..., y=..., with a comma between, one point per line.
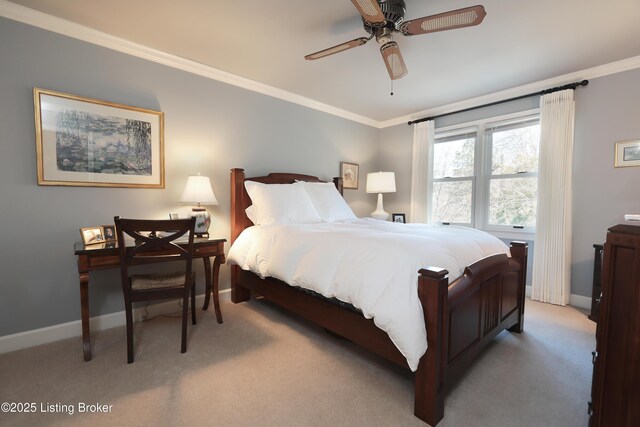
x=381, y=182
x=198, y=190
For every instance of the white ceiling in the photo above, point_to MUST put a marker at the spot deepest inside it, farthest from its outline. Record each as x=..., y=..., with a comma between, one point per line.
x=519, y=42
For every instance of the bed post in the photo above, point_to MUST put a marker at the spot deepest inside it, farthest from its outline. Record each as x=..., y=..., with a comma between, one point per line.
x=519, y=251
x=338, y=182
x=238, y=293
x=433, y=285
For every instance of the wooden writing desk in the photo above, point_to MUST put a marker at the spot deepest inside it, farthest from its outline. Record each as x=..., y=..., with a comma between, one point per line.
x=105, y=255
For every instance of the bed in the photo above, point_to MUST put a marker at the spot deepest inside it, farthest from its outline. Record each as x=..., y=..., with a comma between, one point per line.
x=460, y=318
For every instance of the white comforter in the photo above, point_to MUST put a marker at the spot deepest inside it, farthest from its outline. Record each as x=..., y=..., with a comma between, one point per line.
x=368, y=263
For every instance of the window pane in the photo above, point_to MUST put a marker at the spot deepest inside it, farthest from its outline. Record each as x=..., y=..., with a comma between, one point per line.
x=453, y=159
x=515, y=150
x=452, y=201
x=513, y=201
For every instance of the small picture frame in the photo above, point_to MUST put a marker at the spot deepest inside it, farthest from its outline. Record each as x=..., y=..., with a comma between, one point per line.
x=92, y=235
x=109, y=233
x=174, y=215
x=399, y=218
x=349, y=174
x=627, y=153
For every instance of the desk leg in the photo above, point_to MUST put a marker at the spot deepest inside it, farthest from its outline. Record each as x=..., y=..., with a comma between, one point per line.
x=211, y=279
x=207, y=282
x=216, y=300
x=84, y=311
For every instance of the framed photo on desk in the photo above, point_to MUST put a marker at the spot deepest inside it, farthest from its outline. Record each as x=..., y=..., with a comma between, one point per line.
x=92, y=235
x=109, y=233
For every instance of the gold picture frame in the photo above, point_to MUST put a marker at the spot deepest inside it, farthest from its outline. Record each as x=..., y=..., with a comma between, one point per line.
x=92, y=143
x=92, y=235
x=627, y=154
x=349, y=173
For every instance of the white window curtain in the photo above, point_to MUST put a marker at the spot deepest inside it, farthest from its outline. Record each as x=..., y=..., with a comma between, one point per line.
x=552, y=253
x=423, y=138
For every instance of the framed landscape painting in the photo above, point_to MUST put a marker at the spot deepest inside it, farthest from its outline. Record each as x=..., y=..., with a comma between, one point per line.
x=88, y=142
x=627, y=154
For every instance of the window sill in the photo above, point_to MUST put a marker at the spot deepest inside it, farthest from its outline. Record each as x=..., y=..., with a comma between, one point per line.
x=512, y=235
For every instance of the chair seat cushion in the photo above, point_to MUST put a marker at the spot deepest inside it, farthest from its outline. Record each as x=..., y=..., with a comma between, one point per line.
x=158, y=281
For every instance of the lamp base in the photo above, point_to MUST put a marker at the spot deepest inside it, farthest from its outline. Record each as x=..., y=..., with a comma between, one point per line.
x=380, y=213
x=203, y=221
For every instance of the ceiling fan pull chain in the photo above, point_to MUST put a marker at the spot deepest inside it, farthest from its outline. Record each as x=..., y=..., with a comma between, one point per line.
x=392, y=66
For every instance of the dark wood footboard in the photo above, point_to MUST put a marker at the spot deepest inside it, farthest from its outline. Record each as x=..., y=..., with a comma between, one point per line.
x=460, y=317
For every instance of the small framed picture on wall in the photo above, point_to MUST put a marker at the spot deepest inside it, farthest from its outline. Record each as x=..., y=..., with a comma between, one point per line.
x=627, y=154
x=349, y=174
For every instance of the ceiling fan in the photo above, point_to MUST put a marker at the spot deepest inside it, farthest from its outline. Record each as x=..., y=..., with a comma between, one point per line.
x=382, y=18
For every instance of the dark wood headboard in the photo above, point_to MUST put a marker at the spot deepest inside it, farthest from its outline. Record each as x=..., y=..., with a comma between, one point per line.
x=240, y=199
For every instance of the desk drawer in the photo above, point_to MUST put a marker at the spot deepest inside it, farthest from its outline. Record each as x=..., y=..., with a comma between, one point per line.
x=209, y=250
x=96, y=262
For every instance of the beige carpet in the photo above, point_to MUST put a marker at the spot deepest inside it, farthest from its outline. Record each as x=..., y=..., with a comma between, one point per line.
x=264, y=367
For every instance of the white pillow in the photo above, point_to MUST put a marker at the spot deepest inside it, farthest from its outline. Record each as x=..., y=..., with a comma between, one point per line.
x=328, y=202
x=281, y=204
x=251, y=214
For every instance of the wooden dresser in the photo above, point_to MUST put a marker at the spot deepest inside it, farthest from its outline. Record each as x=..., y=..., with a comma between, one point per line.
x=596, y=290
x=616, y=377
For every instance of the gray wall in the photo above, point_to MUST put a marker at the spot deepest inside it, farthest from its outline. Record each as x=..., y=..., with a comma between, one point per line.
x=608, y=110
x=210, y=127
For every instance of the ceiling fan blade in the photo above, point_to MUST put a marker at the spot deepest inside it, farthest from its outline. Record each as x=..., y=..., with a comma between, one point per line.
x=370, y=11
x=459, y=18
x=338, y=48
x=393, y=60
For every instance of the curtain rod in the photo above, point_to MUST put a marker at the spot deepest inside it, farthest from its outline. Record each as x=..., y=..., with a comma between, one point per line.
x=544, y=92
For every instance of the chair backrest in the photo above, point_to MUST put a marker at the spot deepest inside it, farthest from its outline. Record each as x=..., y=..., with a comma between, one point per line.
x=151, y=247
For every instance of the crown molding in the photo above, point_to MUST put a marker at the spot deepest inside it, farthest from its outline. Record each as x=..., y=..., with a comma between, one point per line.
x=590, y=73
x=48, y=22
x=62, y=26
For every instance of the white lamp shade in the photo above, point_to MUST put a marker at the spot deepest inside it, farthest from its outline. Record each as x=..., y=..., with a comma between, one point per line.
x=381, y=182
x=198, y=190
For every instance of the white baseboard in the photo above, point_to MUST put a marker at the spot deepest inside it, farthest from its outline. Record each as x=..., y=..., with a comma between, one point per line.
x=574, y=300
x=106, y=321
x=580, y=301
x=62, y=331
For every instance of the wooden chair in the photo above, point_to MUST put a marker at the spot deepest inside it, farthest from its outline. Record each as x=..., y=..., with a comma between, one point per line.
x=151, y=249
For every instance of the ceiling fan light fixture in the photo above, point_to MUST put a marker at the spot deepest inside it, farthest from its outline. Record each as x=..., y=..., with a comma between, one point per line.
x=393, y=60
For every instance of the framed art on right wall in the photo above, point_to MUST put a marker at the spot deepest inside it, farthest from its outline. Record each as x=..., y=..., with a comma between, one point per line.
x=627, y=154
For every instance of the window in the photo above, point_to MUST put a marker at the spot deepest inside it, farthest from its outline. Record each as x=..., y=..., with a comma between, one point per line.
x=485, y=176
x=453, y=178
x=513, y=179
